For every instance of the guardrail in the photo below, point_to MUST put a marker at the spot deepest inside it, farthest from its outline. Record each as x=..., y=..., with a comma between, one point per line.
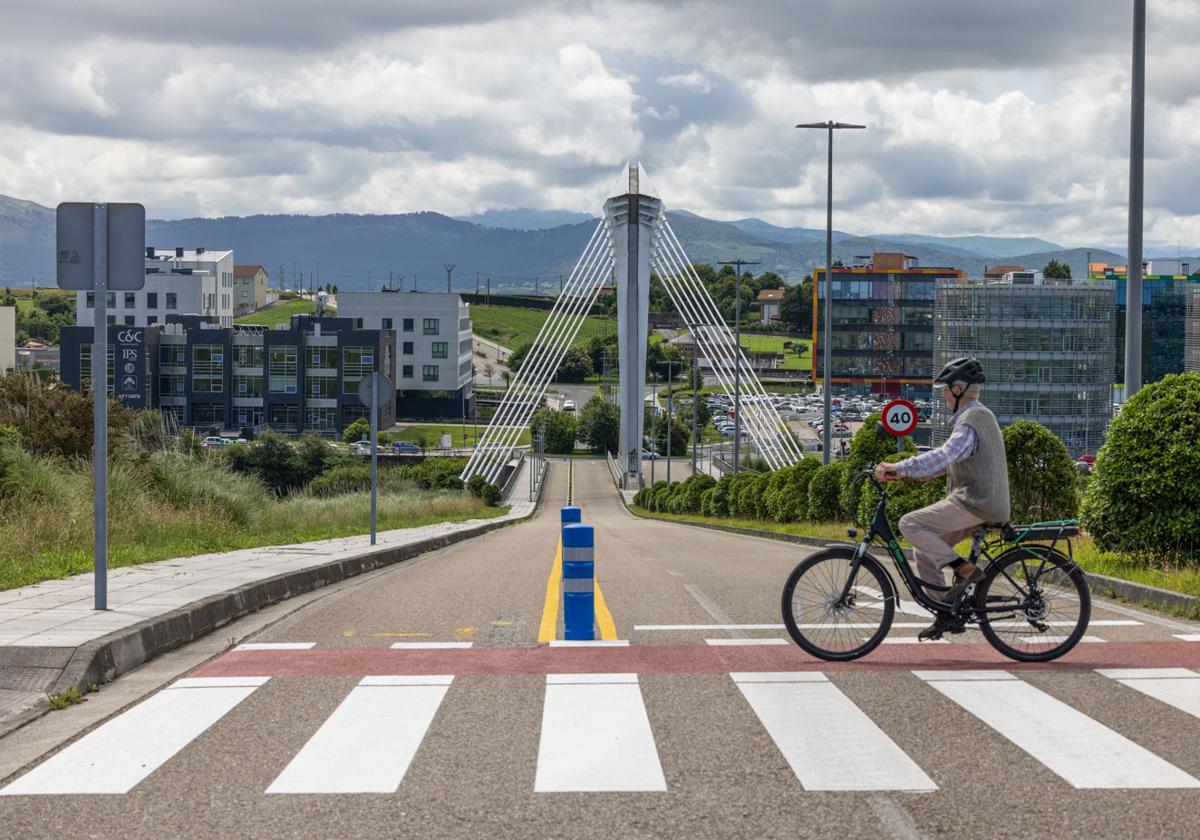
x=614, y=469
x=512, y=476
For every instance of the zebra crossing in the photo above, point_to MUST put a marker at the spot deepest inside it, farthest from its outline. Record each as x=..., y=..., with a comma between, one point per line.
x=596, y=735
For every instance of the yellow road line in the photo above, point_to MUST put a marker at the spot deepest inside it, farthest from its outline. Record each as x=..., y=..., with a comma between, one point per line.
x=604, y=619
x=549, y=626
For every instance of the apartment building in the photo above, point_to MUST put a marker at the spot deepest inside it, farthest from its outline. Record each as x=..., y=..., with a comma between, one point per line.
x=432, y=350
x=178, y=282
x=1191, y=358
x=882, y=324
x=250, y=283
x=297, y=378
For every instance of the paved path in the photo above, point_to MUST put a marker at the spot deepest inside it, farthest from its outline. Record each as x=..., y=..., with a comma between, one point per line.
x=421, y=704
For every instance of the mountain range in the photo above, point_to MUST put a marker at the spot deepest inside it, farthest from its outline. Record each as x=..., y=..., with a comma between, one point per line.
x=511, y=246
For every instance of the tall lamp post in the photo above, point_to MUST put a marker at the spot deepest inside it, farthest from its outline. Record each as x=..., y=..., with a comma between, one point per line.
x=829, y=126
x=1133, y=271
x=737, y=356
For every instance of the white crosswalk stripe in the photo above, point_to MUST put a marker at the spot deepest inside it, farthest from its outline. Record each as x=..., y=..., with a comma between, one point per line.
x=596, y=735
x=1176, y=687
x=131, y=746
x=827, y=740
x=1083, y=751
x=368, y=742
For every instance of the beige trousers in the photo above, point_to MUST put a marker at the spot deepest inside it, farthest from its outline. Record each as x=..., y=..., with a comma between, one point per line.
x=933, y=532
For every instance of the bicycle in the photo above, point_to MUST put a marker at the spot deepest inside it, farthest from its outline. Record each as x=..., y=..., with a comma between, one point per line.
x=839, y=604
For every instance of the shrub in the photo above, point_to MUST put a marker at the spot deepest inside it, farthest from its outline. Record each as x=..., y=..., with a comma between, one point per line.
x=747, y=495
x=1144, y=493
x=27, y=476
x=906, y=496
x=825, y=493
x=491, y=494
x=344, y=478
x=865, y=449
x=639, y=498
x=475, y=485
x=786, y=495
x=706, y=501
x=314, y=456
x=53, y=420
x=193, y=482
x=271, y=459
x=720, y=497
x=359, y=429
x=1042, y=479
x=693, y=489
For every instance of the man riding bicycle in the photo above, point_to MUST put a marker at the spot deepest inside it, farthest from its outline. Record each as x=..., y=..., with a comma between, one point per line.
x=976, y=469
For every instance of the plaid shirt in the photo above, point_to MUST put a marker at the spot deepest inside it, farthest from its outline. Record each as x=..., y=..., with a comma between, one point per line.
x=931, y=464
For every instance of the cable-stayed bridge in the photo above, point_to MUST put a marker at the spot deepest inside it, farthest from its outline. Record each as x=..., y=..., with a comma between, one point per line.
x=633, y=239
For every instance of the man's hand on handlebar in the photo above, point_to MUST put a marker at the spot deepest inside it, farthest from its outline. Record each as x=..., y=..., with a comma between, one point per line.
x=887, y=472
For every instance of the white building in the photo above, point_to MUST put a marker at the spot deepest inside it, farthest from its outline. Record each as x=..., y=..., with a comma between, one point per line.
x=250, y=283
x=1173, y=268
x=178, y=282
x=433, y=346
x=8, y=339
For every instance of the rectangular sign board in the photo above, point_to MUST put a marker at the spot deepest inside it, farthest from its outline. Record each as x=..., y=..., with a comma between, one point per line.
x=76, y=246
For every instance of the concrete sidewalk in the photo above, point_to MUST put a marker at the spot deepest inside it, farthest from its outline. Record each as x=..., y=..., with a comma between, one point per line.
x=52, y=639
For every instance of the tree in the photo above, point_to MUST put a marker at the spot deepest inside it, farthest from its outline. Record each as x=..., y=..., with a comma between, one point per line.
x=518, y=356
x=679, y=437
x=795, y=309
x=271, y=459
x=357, y=430
x=1042, y=479
x=1144, y=494
x=560, y=430
x=600, y=425
x=1056, y=270
x=576, y=366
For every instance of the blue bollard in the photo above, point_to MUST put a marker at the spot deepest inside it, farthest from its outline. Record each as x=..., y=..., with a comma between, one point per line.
x=578, y=582
x=570, y=515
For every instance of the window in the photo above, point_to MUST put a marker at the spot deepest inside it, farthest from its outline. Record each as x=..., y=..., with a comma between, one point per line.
x=245, y=385
x=112, y=319
x=284, y=418
x=247, y=415
x=440, y=349
x=85, y=367
x=111, y=300
x=387, y=324
x=172, y=355
x=358, y=324
x=170, y=385
x=152, y=300
x=430, y=326
x=408, y=348
x=248, y=356
x=208, y=414
x=208, y=369
x=171, y=300
x=323, y=387
x=357, y=362
x=407, y=372
x=322, y=357
x=320, y=419
x=130, y=300
x=150, y=320
x=408, y=324
x=130, y=321
x=282, y=369
x=429, y=373
x=91, y=300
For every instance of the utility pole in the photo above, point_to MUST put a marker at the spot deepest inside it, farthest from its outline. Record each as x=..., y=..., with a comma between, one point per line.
x=537, y=283
x=281, y=279
x=488, y=299
x=1133, y=270
x=449, y=273
x=476, y=282
x=829, y=126
x=560, y=285
x=737, y=357
x=669, y=392
x=695, y=405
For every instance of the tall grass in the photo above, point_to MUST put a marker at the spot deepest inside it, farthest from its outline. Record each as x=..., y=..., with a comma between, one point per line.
x=167, y=504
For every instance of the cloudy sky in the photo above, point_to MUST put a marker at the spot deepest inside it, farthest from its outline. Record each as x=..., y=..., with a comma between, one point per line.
x=1004, y=117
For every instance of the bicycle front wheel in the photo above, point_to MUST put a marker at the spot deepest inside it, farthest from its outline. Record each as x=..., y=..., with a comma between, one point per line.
x=1037, y=604
x=824, y=624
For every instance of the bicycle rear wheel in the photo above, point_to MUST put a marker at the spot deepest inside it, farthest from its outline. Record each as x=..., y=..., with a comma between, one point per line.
x=821, y=624
x=1049, y=602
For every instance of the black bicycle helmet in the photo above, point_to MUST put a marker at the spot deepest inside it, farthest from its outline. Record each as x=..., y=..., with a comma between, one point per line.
x=965, y=369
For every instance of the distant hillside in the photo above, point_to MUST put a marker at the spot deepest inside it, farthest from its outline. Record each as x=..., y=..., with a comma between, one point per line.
x=354, y=250
x=984, y=246
x=524, y=218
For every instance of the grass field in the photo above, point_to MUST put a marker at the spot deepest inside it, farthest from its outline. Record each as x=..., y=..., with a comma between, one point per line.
x=432, y=433
x=774, y=344
x=280, y=313
x=513, y=327
x=25, y=302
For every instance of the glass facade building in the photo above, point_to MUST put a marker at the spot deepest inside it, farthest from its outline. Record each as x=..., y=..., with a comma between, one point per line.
x=1047, y=350
x=882, y=325
x=1164, y=312
x=1191, y=350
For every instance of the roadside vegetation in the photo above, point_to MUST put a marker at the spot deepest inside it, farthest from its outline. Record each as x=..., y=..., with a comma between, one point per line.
x=279, y=313
x=512, y=327
x=169, y=498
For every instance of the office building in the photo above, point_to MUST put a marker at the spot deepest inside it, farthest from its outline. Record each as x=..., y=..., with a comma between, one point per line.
x=8, y=339
x=433, y=347
x=250, y=284
x=1191, y=354
x=882, y=325
x=298, y=378
x=178, y=282
x=1164, y=311
x=1047, y=348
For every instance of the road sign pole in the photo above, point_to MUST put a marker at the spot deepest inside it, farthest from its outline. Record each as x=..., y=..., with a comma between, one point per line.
x=374, y=450
x=100, y=411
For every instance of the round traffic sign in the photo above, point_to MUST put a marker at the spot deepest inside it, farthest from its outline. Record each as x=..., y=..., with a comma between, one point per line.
x=899, y=418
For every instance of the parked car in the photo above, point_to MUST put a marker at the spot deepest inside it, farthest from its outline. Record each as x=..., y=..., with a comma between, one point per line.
x=568, y=405
x=403, y=447
x=360, y=447
x=214, y=442
x=647, y=455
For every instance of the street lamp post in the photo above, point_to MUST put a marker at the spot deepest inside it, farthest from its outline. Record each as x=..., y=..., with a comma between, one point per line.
x=1133, y=270
x=669, y=392
x=737, y=356
x=829, y=126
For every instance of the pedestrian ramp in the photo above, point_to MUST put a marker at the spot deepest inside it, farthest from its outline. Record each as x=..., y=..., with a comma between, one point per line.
x=596, y=733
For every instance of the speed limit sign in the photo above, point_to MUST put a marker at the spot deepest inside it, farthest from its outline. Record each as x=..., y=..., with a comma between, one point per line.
x=899, y=418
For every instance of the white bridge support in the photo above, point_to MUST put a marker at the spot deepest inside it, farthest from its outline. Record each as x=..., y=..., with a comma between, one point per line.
x=633, y=239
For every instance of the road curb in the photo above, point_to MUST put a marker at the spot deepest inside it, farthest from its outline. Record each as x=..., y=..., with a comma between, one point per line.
x=1176, y=603
x=103, y=660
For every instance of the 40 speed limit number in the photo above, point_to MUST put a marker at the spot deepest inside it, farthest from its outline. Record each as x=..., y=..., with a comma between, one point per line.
x=899, y=418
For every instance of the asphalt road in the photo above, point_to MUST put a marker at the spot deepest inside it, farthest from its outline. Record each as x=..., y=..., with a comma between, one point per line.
x=337, y=734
